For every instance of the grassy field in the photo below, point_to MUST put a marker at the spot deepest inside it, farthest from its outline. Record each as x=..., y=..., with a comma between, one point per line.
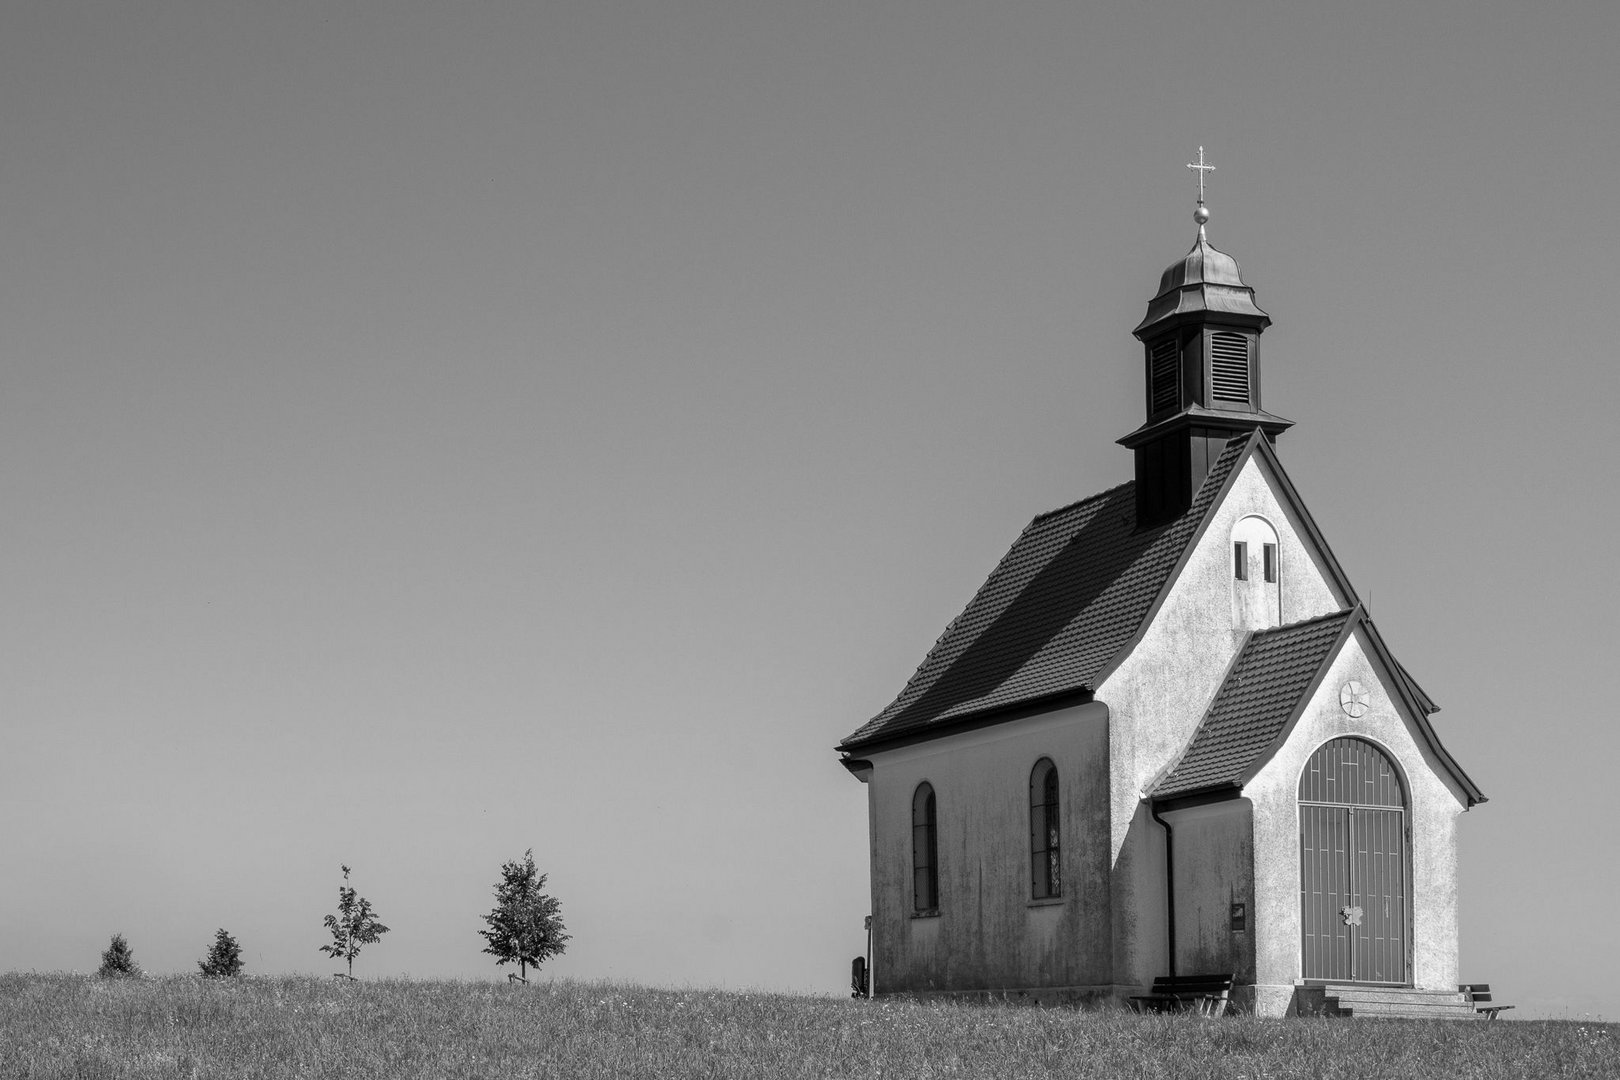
x=86, y=1028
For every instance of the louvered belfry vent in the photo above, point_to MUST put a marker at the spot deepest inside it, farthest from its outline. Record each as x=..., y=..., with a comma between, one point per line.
x=1200, y=363
x=1229, y=367
x=1163, y=369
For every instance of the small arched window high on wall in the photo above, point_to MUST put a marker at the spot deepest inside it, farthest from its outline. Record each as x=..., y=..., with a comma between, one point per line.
x=1256, y=575
x=924, y=851
x=1045, y=833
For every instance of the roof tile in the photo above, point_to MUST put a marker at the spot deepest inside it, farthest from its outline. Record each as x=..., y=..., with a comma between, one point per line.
x=1066, y=598
x=1255, y=702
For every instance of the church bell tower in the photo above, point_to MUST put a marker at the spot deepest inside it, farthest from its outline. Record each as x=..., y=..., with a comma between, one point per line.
x=1201, y=365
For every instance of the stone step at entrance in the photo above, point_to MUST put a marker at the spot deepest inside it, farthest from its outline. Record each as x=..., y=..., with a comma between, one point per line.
x=1359, y=1001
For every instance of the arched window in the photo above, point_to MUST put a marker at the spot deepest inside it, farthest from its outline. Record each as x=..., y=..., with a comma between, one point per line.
x=1045, y=833
x=1256, y=575
x=924, y=851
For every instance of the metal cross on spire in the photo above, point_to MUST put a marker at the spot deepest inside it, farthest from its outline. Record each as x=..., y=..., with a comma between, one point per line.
x=1201, y=168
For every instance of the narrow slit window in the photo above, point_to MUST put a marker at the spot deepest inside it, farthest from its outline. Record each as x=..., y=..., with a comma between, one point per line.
x=1256, y=568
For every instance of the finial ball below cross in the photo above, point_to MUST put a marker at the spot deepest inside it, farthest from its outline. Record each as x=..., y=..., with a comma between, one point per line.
x=1201, y=167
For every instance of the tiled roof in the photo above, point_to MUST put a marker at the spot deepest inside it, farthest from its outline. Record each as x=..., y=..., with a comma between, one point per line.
x=1069, y=595
x=1263, y=689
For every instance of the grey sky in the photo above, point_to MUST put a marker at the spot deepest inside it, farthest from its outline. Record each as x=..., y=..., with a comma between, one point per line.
x=431, y=431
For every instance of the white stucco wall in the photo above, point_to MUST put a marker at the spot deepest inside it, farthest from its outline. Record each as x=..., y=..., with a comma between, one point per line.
x=1213, y=865
x=1434, y=804
x=989, y=933
x=1109, y=932
x=1157, y=696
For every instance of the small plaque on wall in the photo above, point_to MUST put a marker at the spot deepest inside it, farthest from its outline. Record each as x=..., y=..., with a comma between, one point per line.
x=1354, y=698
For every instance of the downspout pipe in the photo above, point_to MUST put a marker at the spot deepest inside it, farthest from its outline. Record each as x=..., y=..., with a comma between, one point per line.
x=871, y=980
x=1169, y=883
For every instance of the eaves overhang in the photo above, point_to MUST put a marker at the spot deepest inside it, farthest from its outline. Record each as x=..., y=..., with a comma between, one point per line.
x=1234, y=421
x=1359, y=621
x=956, y=725
x=1410, y=696
x=1218, y=793
x=1204, y=303
x=859, y=768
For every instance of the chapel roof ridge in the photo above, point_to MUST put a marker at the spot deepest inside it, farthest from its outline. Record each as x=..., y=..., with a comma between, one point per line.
x=1020, y=640
x=1298, y=623
x=1076, y=504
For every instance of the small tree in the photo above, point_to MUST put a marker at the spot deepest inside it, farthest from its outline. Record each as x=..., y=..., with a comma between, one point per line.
x=526, y=924
x=119, y=959
x=354, y=925
x=224, y=959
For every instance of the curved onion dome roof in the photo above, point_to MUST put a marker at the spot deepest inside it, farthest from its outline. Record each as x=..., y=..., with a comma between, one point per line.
x=1205, y=280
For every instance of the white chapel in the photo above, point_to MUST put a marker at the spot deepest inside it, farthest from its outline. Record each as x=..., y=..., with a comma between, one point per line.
x=1165, y=736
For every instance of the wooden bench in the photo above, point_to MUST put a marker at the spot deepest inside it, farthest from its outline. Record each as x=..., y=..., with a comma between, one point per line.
x=1207, y=995
x=1478, y=992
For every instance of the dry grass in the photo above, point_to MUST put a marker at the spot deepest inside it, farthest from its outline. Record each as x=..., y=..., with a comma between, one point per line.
x=84, y=1027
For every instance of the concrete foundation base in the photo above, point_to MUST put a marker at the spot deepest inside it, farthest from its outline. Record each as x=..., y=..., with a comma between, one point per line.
x=1072, y=997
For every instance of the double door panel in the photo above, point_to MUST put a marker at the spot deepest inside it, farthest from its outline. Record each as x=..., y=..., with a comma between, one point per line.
x=1353, y=894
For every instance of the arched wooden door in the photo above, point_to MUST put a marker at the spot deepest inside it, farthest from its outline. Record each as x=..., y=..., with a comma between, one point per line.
x=1354, y=895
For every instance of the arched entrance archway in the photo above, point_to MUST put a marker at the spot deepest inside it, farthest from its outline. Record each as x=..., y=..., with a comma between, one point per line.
x=1355, y=909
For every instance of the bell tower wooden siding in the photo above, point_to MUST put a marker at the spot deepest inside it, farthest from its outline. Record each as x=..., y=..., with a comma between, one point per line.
x=1201, y=379
x=1212, y=367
